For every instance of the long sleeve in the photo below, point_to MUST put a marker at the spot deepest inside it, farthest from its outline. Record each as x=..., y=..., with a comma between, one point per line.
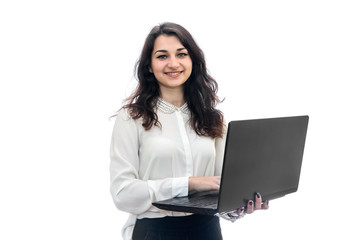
x=131, y=192
x=219, y=157
x=220, y=151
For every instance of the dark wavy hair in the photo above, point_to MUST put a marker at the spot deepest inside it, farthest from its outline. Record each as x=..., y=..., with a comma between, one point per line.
x=200, y=90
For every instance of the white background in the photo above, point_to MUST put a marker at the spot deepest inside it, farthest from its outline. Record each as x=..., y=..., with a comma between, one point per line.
x=66, y=66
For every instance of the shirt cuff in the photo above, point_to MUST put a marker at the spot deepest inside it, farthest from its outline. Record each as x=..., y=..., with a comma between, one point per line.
x=180, y=187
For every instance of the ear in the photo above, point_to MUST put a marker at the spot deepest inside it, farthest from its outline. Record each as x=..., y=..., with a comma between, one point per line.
x=150, y=70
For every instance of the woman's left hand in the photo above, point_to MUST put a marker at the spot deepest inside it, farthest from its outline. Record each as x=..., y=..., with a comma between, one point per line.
x=252, y=206
x=256, y=205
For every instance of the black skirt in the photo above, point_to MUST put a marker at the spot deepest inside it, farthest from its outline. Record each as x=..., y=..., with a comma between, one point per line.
x=178, y=228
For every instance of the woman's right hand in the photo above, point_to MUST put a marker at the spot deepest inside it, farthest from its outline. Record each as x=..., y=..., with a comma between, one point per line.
x=201, y=184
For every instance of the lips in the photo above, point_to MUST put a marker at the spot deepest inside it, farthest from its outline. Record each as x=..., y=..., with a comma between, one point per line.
x=174, y=74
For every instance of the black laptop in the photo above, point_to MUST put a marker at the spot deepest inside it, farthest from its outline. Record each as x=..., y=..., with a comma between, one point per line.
x=261, y=155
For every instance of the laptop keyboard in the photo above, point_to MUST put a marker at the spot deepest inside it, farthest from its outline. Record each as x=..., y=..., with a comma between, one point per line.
x=198, y=201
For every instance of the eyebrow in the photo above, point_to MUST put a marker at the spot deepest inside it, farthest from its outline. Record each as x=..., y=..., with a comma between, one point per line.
x=165, y=51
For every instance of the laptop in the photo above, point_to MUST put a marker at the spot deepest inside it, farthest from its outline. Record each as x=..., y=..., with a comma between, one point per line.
x=261, y=155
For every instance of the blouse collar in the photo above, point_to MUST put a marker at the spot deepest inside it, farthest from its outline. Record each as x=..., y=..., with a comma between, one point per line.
x=169, y=108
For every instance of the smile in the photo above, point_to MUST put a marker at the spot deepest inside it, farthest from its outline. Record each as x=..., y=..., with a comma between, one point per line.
x=174, y=74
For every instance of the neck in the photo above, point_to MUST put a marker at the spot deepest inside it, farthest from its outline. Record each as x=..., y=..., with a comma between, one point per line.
x=175, y=97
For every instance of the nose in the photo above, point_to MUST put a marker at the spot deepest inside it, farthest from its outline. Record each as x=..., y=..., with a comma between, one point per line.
x=173, y=63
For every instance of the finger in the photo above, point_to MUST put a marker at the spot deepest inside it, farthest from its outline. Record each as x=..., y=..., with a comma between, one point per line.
x=238, y=211
x=265, y=205
x=258, y=201
x=241, y=212
x=218, y=180
x=250, y=207
x=214, y=183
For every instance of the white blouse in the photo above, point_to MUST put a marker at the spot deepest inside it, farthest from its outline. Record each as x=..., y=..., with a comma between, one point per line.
x=154, y=165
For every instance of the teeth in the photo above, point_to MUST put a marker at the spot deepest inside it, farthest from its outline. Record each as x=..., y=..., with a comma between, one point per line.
x=173, y=74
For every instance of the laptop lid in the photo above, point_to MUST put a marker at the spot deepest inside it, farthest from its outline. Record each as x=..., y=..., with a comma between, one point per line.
x=261, y=155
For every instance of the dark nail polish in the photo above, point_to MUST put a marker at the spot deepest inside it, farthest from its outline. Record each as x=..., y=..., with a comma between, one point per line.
x=250, y=203
x=258, y=195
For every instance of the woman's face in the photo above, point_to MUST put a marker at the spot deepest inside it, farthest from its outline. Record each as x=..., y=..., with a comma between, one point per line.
x=170, y=62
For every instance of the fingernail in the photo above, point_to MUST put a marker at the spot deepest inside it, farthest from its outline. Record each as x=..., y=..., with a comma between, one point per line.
x=258, y=195
x=250, y=203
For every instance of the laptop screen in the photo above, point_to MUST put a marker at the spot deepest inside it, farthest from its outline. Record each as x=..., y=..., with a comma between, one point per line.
x=262, y=155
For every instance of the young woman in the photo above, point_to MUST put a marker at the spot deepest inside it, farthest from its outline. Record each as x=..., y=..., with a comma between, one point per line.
x=168, y=140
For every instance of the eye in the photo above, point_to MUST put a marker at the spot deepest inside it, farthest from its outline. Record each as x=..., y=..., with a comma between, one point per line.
x=182, y=54
x=161, y=57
